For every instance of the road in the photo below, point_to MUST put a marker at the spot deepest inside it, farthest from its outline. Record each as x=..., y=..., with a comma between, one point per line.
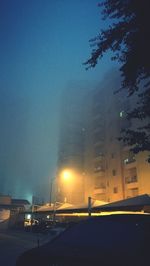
x=13, y=243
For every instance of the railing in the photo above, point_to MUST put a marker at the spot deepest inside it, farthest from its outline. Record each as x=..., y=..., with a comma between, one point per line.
x=129, y=160
x=131, y=179
x=99, y=169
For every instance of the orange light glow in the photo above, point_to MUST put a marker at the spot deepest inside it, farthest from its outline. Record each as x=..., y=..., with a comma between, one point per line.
x=67, y=175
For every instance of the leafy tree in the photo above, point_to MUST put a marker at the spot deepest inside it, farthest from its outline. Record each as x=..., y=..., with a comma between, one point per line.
x=128, y=37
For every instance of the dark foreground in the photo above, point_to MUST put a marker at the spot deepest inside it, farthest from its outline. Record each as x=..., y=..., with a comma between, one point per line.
x=121, y=240
x=14, y=242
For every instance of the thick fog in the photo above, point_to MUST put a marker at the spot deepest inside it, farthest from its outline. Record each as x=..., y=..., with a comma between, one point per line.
x=43, y=46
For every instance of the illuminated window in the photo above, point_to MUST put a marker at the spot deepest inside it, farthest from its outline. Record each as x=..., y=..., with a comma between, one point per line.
x=130, y=159
x=121, y=114
x=28, y=216
x=126, y=160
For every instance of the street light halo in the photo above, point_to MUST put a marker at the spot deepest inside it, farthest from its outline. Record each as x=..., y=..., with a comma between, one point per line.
x=66, y=175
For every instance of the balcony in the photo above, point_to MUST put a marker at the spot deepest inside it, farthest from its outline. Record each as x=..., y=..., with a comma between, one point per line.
x=131, y=182
x=130, y=163
x=99, y=168
x=132, y=185
x=131, y=179
x=101, y=190
x=99, y=172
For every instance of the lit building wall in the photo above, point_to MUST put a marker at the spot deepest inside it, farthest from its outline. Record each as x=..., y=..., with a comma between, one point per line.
x=88, y=151
x=114, y=177
x=107, y=160
x=98, y=136
x=143, y=172
x=136, y=174
x=105, y=169
x=113, y=171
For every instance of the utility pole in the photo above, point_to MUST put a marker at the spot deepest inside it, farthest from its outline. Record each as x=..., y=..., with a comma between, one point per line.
x=89, y=206
x=51, y=189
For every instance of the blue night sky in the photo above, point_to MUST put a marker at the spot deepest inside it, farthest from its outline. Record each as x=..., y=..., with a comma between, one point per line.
x=43, y=44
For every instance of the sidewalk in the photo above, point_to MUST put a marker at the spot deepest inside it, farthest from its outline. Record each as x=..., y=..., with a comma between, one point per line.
x=35, y=239
x=14, y=242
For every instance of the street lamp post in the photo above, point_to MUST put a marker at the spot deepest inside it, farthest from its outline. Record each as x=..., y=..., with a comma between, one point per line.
x=50, y=195
x=51, y=190
x=89, y=206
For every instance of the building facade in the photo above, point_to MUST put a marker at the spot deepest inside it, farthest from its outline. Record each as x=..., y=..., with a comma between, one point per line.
x=113, y=172
x=71, y=146
x=104, y=168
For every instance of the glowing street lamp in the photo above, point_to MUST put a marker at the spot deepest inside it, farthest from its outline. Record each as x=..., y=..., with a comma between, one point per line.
x=66, y=181
x=66, y=175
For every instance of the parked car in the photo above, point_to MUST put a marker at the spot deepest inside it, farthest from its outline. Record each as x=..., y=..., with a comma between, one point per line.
x=28, y=224
x=121, y=240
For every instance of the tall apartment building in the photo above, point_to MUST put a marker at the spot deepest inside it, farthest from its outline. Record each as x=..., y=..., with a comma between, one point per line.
x=71, y=145
x=113, y=172
x=103, y=167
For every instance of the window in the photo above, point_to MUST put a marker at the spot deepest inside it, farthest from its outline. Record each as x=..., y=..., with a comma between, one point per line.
x=130, y=159
x=115, y=190
x=132, y=176
x=113, y=172
x=131, y=179
x=121, y=114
